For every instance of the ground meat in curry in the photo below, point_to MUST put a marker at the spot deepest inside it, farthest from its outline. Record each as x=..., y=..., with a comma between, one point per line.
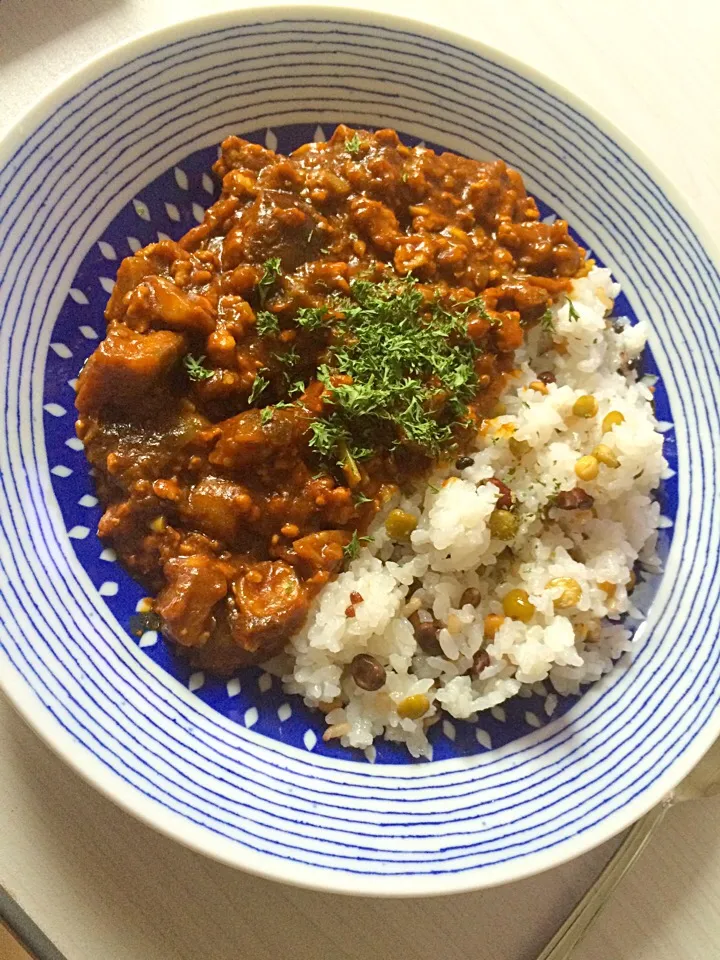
x=342, y=320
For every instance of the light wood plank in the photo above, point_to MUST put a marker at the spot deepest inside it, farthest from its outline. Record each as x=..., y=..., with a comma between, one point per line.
x=10, y=946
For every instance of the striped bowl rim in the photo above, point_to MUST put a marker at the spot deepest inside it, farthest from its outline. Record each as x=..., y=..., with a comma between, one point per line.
x=153, y=747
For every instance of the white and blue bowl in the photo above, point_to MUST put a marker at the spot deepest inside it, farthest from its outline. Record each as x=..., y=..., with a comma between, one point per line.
x=119, y=155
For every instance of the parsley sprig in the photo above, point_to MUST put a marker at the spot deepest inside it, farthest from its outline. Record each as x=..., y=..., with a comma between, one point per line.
x=267, y=413
x=353, y=144
x=195, y=369
x=258, y=387
x=546, y=321
x=352, y=549
x=572, y=312
x=266, y=323
x=272, y=269
x=311, y=318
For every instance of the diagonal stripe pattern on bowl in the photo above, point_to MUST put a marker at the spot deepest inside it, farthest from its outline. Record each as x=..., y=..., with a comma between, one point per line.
x=237, y=769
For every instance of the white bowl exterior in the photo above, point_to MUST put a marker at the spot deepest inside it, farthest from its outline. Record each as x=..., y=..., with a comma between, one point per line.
x=134, y=731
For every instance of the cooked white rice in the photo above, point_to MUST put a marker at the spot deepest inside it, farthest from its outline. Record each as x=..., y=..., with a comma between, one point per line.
x=452, y=549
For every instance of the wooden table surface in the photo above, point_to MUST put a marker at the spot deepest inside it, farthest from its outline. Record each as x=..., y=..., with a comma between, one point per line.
x=101, y=885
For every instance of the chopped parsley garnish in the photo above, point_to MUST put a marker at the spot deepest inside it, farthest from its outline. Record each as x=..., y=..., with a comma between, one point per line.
x=266, y=323
x=297, y=387
x=400, y=372
x=360, y=498
x=546, y=321
x=266, y=414
x=352, y=549
x=311, y=318
x=195, y=369
x=476, y=305
x=259, y=384
x=289, y=359
x=325, y=437
x=271, y=273
x=572, y=312
x=353, y=144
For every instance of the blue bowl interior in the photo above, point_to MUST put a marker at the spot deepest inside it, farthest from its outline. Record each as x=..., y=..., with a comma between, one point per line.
x=168, y=207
